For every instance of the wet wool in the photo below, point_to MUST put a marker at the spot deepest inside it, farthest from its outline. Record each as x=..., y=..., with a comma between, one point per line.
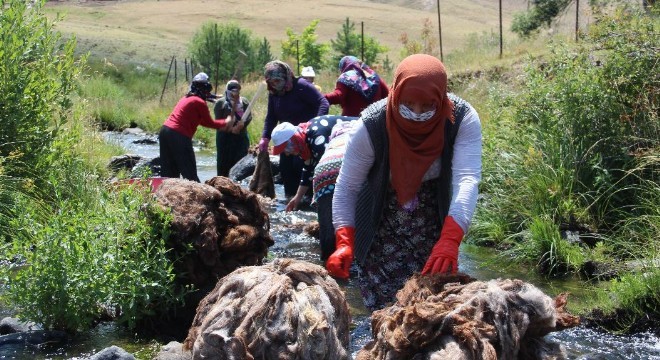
x=456, y=317
x=222, y=222
x=288, y=309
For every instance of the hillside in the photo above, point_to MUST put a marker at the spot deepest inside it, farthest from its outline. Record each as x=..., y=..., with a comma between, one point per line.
x=148, y=31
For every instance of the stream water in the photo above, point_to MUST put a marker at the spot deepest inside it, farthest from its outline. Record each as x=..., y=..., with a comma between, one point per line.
x=580, y=343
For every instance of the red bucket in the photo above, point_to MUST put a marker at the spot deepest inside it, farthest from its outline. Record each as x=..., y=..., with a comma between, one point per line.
x=154, y=182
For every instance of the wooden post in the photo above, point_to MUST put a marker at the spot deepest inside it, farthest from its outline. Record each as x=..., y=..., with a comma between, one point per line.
x=185, y=65
x=362, y=45
x=298, y=55
x=501, y=36
x=440, y=31
x=166, y=78
x=217, y=59
x=175, y=82
x=577, y=19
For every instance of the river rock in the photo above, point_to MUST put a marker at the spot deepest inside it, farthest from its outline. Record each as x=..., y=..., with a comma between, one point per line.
x=223, y=223
x=112, y=353
x=123, y=162
x=288, y=309
x=244, y=168
x=457, y=317
x=173, y=351
x=10, y=325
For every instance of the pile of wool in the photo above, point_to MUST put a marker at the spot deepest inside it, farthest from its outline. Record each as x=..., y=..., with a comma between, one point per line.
x=288, y=309
x=224, y=224
x=456, y=317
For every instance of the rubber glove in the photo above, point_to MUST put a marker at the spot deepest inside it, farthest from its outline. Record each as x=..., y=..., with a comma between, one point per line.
x=339, y=263
x=444, y=255
x=263, y=144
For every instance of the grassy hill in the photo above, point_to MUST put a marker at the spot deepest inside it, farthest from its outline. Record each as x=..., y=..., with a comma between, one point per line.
x=151, y=32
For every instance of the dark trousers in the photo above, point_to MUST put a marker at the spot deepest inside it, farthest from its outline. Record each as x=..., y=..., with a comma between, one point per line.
x=291, y=170
x=177, y=156
x=231, y=149
x=326, y=229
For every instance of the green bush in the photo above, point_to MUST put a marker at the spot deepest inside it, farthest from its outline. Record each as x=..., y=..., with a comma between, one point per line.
x=577, y=147
x=226, y=50
x=37, y=73
x=88, y=260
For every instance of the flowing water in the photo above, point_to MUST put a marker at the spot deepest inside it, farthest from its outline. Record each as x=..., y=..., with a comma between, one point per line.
x=580, y=343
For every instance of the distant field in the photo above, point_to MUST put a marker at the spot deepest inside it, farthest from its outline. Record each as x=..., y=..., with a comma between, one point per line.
x=151, y=32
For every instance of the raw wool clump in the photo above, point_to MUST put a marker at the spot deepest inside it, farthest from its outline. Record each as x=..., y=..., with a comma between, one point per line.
x=456, y=317
x=262, y=181
x=288, y=309
x=223, y=223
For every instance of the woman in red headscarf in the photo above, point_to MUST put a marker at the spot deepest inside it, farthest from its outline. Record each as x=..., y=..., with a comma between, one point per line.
x=419, y=154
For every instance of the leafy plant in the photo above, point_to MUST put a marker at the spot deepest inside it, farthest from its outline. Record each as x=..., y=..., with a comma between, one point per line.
x=226, y=51
x=543, y=12
x=348, y=42
x=304, y=47
x=90, y=260
x=37, y=74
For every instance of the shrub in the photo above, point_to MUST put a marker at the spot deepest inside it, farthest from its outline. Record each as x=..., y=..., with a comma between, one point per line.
x=89, y=260
x=37, y=73
x=225, y=51
x=578, y=146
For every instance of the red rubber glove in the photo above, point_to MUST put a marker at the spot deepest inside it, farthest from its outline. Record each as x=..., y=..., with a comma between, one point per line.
x=339, y=263
x=263, y=144
x=444, y=255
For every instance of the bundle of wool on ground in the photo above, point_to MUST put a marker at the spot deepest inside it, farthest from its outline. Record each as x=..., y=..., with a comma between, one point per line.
x=288, y=309
x=262, y=181
x=456, y=317
x=224, y=223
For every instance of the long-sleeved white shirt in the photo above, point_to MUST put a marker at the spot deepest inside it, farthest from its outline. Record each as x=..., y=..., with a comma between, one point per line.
x=466, y=172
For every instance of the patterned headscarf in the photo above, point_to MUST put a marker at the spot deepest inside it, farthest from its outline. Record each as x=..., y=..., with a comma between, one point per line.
x=414, y=145
x=279, y=70
x=358, y=76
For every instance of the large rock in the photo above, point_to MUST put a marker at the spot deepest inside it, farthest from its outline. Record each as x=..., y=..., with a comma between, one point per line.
x=288, y=309
x=455, y=317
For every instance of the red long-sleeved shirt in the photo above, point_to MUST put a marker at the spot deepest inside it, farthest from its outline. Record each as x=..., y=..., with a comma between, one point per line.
x=351, y=102
x=189, y=113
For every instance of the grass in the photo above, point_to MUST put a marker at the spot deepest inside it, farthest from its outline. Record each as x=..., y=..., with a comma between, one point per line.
x=151, y=32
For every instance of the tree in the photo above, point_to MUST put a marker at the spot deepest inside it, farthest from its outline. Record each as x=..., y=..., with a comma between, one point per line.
x=225, y=50
x=263, y=54
x=542, y=13
x=426, y=45
x=348, y=42
x=311, y=52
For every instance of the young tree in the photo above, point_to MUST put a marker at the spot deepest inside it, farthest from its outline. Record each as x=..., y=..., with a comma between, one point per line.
x=426, y=45
x=348, y=42
x=311, y=52
x=542, y=13
x=263, y=54
x=224, y=50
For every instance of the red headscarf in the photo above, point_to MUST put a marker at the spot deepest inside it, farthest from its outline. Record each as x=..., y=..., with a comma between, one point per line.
x=414, y=145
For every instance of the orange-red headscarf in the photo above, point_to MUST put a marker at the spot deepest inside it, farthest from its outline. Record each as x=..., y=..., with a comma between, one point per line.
x=414, y=145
